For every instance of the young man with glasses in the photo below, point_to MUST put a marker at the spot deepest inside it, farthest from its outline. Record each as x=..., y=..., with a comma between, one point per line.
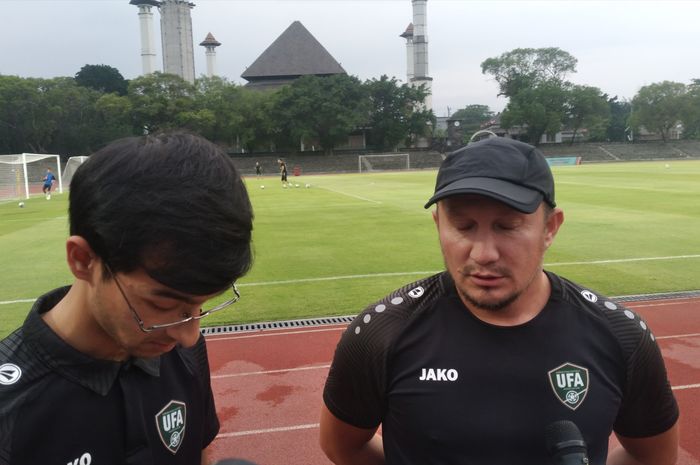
x=113, y=369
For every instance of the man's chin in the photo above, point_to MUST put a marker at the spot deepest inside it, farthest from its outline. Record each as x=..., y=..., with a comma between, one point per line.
x=486, y=301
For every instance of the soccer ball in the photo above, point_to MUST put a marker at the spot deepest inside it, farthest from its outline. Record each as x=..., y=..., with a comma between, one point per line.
x=308, y=185
x=667, y=166
x=21, y=205
x=296, y=185
x=284, y=186
x=262, y=187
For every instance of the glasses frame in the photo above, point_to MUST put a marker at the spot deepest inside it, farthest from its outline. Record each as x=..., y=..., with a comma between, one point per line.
x=186, y=317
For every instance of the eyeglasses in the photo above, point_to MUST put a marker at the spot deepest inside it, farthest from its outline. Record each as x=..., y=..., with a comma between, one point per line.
x=184, y=318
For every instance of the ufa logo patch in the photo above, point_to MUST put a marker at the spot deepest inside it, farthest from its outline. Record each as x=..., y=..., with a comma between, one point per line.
x=570, y=384
x=170, y=422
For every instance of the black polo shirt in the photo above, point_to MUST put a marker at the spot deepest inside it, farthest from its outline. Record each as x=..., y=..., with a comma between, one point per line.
x=60, y=406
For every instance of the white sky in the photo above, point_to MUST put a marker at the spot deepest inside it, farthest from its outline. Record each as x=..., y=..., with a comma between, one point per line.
x=620, y=45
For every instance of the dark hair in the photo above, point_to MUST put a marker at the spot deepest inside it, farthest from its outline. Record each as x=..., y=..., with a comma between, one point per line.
x=172, y=204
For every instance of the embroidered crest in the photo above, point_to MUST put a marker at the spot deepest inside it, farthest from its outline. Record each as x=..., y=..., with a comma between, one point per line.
x=171, y=421
x=570, y=384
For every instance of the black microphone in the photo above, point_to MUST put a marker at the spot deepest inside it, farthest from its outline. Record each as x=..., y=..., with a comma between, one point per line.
x=565, y=444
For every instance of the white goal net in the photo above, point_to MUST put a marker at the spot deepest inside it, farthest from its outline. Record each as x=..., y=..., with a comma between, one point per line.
x=69, y=170
x=22, y=175
x=384, y=162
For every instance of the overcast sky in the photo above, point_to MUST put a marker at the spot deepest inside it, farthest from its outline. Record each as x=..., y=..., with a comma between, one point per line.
x=620, y=45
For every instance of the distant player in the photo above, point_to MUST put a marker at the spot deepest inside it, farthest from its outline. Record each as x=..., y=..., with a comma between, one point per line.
x=48, y=183
x=258, y=169
x=283, y=169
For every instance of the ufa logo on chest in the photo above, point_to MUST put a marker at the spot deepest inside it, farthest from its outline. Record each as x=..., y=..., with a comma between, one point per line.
x=570, y=384
x=171, y=421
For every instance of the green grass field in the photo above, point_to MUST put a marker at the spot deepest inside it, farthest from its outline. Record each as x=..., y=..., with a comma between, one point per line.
x=331, y=249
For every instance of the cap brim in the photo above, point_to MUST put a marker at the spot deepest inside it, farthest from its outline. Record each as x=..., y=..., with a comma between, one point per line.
x=520, y=198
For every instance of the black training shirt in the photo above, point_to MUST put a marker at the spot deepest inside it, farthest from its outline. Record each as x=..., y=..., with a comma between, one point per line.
x=60, y=406
x=449, y=388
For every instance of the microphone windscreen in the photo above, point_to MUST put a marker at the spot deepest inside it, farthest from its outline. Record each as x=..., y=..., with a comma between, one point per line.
x=561, y=434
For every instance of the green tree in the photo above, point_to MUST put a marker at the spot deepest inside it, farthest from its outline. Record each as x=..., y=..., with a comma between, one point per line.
x=326, y=109
x=114, y=117
x=24, y=121
x=587, y=107
x=618, y=123
x=73, y=117
x=538, y=110
x=524, y=68
x=534, y=81
x=395, y=113
x=102, y=78
x=659, y=107
x=158, y=100
x=690, y=114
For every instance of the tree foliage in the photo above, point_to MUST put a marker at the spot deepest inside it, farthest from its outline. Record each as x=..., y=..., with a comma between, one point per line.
x=587, y=108
x=659, y=107
x=326, y=109
x=395, y=113
x=102, y=78
x=534, y=81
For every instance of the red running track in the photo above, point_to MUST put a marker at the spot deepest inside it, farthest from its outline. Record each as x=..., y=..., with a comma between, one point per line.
x=268, y=385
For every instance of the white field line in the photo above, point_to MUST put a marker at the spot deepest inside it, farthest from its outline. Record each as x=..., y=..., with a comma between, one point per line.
x=280, y=429
x=350, y=195
x=272, y=372
x=408, y=273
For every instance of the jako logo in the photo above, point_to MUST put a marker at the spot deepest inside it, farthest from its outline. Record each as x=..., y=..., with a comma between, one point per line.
x=438, y=374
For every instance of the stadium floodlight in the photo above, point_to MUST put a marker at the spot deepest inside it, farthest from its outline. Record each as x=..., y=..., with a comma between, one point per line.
x=69, y=170
x=384, y=162
x=22, y=174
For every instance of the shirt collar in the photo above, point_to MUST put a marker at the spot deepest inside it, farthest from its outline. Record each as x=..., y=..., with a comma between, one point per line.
x=91, y=373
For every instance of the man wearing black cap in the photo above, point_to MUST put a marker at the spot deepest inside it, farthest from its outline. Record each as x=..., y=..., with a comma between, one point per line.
x=472, y=365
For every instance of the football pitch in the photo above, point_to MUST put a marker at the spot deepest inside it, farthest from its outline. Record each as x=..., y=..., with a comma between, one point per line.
x=348, y=240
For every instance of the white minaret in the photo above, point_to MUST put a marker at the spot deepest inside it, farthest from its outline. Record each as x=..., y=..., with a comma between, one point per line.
x=148, y=49
x=176, y=36
x=210, y=43
x=408, y=35
x=420, y=49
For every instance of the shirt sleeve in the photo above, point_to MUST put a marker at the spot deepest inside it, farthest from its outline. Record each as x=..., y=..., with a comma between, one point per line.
x=648, y=406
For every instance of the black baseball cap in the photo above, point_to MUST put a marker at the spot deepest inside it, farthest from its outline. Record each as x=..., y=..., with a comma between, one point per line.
x=506, y=170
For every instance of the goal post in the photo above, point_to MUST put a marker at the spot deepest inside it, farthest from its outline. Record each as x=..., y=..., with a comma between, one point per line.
x=69, y=170
x=22, y=175
x=383, y=162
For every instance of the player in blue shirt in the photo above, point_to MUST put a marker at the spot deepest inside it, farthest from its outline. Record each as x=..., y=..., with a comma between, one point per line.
x=48, y=183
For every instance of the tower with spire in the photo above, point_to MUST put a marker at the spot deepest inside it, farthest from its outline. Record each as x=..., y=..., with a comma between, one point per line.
x=148, y=49
x=416, y=36
x=210, y=44
x=176, y=38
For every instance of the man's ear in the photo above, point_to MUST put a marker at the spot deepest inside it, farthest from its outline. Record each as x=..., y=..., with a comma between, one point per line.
x=554, y=221
x=82, y=260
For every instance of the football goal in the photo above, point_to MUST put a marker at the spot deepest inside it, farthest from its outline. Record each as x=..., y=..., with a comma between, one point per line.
x=69, y=170
x=22, y=175
x=384, y=162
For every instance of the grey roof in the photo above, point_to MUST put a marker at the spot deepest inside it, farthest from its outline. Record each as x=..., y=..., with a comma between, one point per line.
x=408, y=32
x=295, y=53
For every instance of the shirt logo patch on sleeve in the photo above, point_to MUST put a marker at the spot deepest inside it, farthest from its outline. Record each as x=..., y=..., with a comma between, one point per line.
x=570, y=384
x=171, y=421
x=9, y=373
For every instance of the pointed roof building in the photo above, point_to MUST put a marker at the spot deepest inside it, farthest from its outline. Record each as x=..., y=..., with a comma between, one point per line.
x=293, y=54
